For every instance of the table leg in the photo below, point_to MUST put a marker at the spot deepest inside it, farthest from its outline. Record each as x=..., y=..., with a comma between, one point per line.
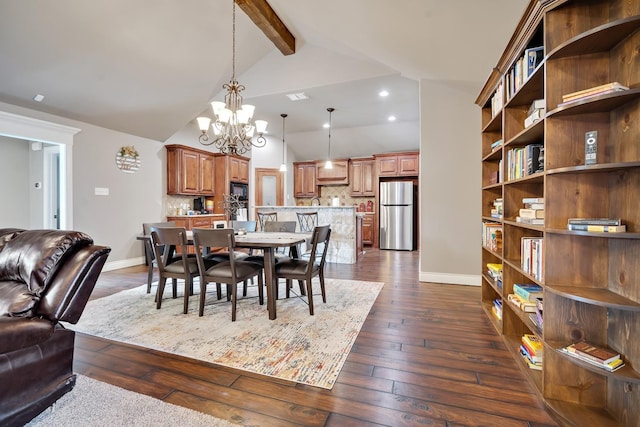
x=148, y=249
x=272, y=290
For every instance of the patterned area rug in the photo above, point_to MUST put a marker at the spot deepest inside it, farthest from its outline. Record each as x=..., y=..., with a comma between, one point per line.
x=295, y=346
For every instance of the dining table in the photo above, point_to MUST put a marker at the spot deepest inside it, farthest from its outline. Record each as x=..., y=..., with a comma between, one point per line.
x=268, y=242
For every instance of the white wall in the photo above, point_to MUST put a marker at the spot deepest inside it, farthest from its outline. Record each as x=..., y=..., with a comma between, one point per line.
x=450, y=179
x=15, y=177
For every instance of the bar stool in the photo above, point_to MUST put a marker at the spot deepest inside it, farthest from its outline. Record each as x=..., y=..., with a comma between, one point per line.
x=266, y=216
x=307, y=220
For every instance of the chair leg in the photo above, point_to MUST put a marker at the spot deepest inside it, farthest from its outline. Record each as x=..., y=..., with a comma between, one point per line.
x=301, y=284
x=175, y=288
x=260, y=289
x=188, y=284
x=244, y=288
x=219, y=290
x=203, y=292
x=310, y=295
x=234, y=299
x=324, y=295
x=149, y=277
x=160, y=291
x=288, y=287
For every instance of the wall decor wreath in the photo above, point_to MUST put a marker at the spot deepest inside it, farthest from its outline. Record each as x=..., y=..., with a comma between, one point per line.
x=128, y=159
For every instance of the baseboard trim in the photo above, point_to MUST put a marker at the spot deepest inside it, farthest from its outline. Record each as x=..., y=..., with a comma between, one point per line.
x=451, y=279
x=124, y=263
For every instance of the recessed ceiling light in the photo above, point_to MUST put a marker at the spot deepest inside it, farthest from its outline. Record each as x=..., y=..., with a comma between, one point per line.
x=391, y=118
x=297, y=96
x=326, y=125
x=38, y=98
x=383, y=93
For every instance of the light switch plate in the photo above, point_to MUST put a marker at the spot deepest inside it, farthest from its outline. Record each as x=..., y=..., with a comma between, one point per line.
x=101, y=191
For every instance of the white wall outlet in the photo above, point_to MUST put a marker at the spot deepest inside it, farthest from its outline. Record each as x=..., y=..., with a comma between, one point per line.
x=101, y=191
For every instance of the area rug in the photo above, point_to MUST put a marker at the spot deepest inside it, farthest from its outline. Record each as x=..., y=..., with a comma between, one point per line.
x=295, y=346
x=98, y=404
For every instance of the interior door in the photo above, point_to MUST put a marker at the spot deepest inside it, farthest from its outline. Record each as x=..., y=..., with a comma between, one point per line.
x=269, y=187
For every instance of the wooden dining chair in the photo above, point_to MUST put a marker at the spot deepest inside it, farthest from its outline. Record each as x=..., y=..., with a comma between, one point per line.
x=305, y=270
x=148, y=248
x=266, y=216
x=229, y=272
x=180, y=266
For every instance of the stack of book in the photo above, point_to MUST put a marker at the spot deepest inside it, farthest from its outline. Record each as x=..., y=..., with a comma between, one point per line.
x=492, y=236
x=496, y=144
x=531, y=351
x=536, y=112
x=532, y=262
x=496, y=211
x=605, y=225
x=495, y=272
x=536, y=317
x=592, y=92
x=525, y=296
x=595, y=355
x=533, y=211
x=496, y=309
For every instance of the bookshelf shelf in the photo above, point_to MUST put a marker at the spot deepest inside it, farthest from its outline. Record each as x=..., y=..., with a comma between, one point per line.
x=596, y=296
x=599, y=39
x=590, y=280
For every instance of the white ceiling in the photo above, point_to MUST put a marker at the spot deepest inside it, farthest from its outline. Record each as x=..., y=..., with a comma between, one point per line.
x=149, y=67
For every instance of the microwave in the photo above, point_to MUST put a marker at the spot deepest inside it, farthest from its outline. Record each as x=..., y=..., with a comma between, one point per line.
x=240, y=190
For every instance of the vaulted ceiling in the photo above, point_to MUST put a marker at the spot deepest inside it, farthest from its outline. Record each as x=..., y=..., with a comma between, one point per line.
x=149, y=67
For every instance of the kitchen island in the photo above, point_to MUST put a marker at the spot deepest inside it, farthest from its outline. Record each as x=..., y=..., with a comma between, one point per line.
x=342, y=219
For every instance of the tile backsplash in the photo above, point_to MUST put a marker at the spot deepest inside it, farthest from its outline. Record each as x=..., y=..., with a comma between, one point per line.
x=328, y=192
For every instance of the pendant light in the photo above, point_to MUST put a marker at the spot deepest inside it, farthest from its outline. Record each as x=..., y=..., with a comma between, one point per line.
x=283, y=166
x=329, y=164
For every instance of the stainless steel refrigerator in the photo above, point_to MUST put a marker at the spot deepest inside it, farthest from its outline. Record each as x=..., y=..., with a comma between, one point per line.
x=396, y=215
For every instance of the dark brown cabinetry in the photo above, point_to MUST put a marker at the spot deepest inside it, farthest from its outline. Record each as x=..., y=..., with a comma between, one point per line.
x=304, y=179
x=362, y=177
x=398, y=164
x=189, y=171
x=337, y=175
x=590, y=280
x=238, y=169
x=228, y=169
x=368, y=231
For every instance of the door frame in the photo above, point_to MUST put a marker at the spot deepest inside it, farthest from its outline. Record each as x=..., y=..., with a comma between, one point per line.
x=259, y=174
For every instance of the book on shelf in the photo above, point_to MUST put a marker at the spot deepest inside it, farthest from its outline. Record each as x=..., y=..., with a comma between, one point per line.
x=598, y=228
x=595, y=221
x=537, y=104
x=526, y=200
x=537, y=322
x=496, y=308
x=531, y=221
x=534, y=117
x=533, y=343
x=611, y=366
x=532, y=259
x=594, y=352
x=533, y=57
x=534, y=205
x=492, y=236
x=496, y=144
x=521, y=304
x=596, y=90
x=535, y=358
x=531, y=213
x=528, y=292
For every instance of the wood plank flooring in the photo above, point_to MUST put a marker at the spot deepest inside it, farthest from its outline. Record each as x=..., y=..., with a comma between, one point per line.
x=426, y=356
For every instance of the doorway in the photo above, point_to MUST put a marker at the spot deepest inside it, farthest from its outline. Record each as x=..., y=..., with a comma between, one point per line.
x=51, y=184
x=269, y=187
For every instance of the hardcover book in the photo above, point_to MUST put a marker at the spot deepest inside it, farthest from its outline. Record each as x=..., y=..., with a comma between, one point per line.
x=531, y=213
x=594, y=352
x=598, y=228
x=595, y=221
x=528, y=292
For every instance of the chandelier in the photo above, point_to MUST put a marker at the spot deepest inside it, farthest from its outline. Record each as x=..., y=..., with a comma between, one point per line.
x=232, y=128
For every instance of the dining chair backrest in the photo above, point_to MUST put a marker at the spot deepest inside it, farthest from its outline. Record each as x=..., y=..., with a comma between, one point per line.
x=320, y=239
x=163, y=237
x=146, y=230
x=249, y=226
x=307, y=221
x=280, y=226
x=213, y=238
x=266, y=216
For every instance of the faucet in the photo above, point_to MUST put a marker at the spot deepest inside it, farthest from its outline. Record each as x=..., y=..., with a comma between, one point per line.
x=314, y=199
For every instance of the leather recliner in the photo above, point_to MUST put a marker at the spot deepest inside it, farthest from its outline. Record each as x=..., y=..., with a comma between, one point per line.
x=46, y=276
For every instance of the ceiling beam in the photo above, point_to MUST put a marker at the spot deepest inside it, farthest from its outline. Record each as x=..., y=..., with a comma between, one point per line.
x=268, y=21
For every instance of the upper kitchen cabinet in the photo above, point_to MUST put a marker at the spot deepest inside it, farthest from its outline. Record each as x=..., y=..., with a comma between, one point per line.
x=238, y=169
x=398, y=164
x=362, y=177
x=304, y=179
x=338, y=175
x=189, y=171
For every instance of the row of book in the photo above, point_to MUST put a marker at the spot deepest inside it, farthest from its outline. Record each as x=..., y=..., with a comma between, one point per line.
x=533, y=211
x=524, y=161
x=496, y=100
x=492, y=236
x=591, y=92
x=531, y=350
x=522, y=69
x=496, y=308
x=494, y=270
x=604, y=225
x=525, y=297
x=595, y=355
x=497, y=210
x=532, y=256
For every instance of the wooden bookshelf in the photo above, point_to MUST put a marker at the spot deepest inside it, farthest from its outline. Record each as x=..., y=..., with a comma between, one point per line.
x=591, y=280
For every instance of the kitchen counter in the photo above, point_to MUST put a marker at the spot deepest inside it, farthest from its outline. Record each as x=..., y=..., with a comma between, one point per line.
x=342, y=245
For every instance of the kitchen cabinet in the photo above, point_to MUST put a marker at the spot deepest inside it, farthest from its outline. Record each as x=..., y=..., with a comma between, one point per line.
x=304, y=179
x=338, y=175
x=398, y=164
x=189, y=222
x=238, y=169
x=368, y=229
x=362, y=177
x=189, y=171
x=228, y=169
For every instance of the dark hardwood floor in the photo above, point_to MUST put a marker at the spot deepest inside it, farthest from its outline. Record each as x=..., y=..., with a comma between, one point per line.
x=426, y=356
